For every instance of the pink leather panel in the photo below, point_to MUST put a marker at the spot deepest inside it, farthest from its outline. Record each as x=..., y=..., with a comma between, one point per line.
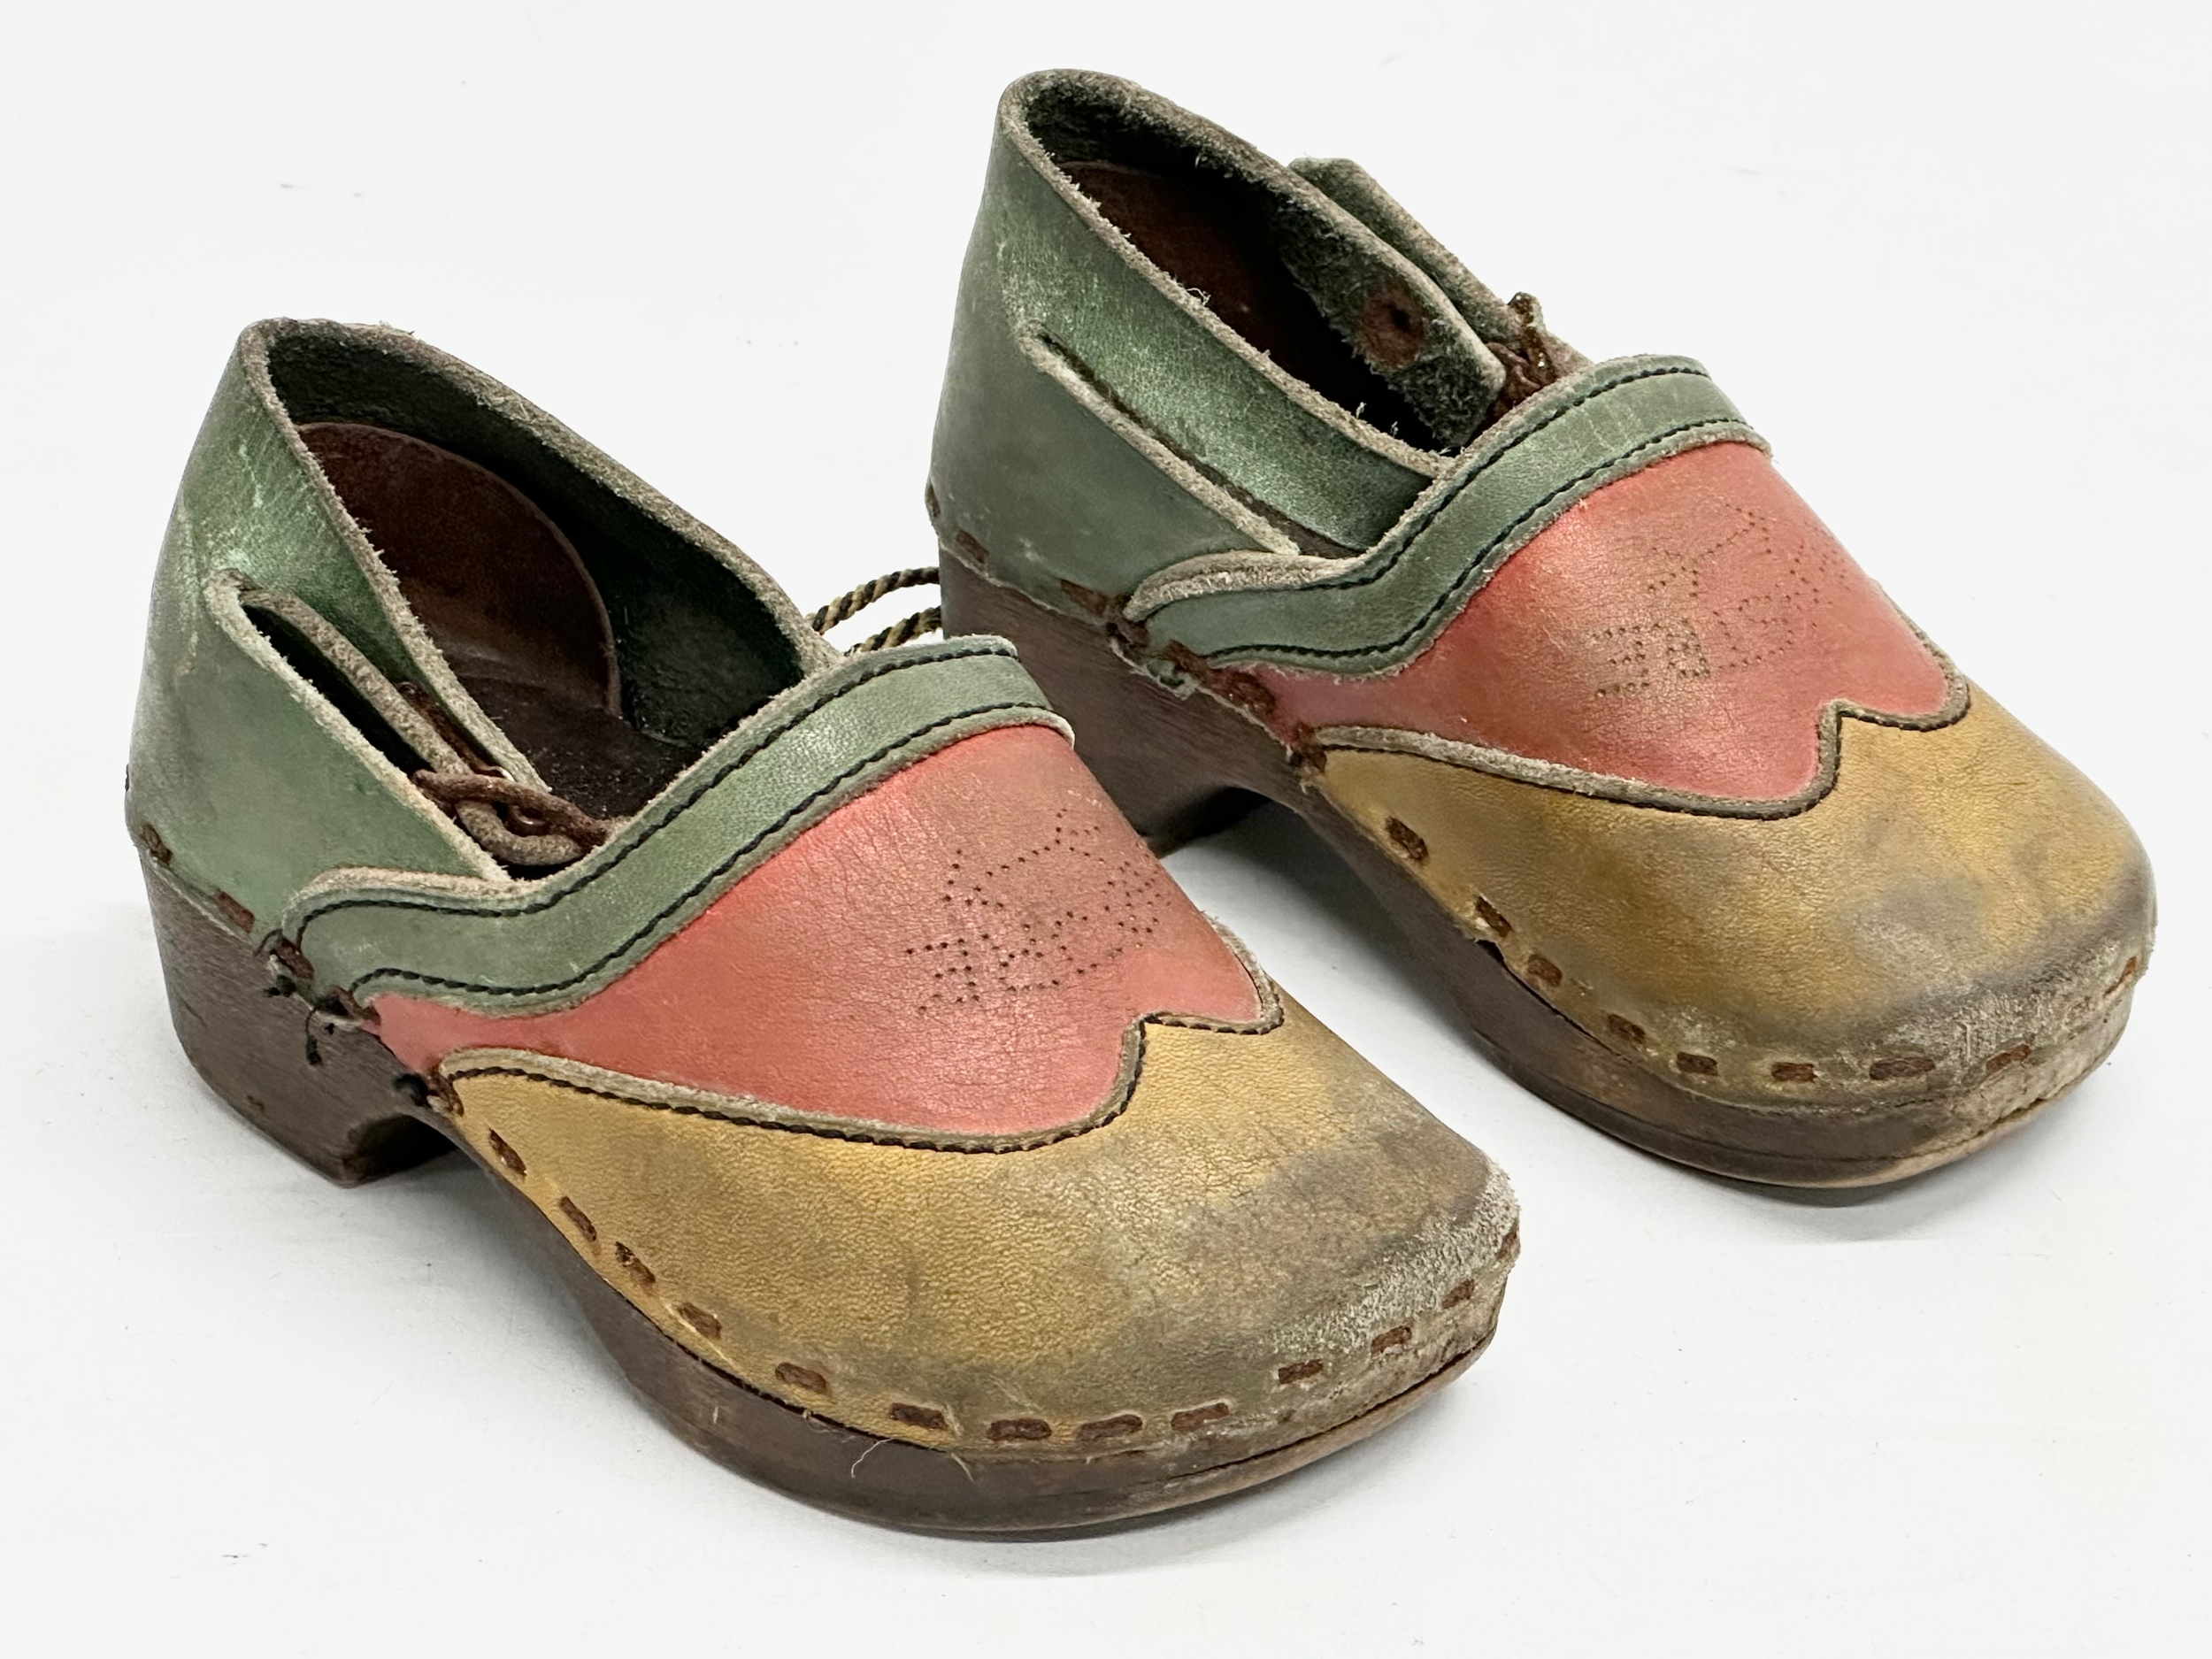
x=960, y=948
x=1684, y=627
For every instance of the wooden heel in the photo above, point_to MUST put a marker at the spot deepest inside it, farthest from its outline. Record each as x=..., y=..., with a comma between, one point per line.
x=1132, y=732
x=321, y=1088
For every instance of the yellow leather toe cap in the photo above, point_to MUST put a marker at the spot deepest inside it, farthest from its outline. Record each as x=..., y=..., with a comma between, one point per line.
x=1950, y=934
x=1269, y=1239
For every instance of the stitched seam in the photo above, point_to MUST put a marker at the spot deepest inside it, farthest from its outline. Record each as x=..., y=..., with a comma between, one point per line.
x=1082, y=1125
x=1957, y=702
x=1659, y=1028
x=1475, y=566
x=1445, y=499
x=669, y=814
x=682, y=899
x=1098, y=1117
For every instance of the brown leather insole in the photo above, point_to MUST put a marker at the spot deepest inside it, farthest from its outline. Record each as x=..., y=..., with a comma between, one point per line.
x=1209, y=239
x=504, y=594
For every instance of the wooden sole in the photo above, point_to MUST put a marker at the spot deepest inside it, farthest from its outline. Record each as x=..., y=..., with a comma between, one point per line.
x=1181, y=764
x=335, y=1097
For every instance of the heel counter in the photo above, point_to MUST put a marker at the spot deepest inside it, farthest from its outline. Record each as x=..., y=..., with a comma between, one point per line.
x=243, y=782
x=153, y=778
x=1037, y=474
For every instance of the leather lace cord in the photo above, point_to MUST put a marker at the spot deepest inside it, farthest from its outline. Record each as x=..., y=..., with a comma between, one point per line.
x=514, y=823
x=1529, y=364
x=522, y=827
x=848, y=605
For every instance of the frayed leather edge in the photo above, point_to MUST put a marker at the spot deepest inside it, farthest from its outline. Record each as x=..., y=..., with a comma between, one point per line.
x=1233, y=154
x=1067, y=370
x=512, y=407
x=426, y=661
x=350, y=888
x=741, y=745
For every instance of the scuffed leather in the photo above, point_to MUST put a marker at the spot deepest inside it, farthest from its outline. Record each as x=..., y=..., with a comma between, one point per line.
x=1960, y=893
x=1271, y=1239
x=222, y=722
x=1731, y=815
x=963, y=947
x=1686, y=626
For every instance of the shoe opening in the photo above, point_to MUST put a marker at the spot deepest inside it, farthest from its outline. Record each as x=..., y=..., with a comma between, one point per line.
x=1254, y=249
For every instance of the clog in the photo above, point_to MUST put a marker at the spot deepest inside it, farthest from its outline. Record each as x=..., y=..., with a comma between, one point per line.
x=907, y=1135
x=1712, y=847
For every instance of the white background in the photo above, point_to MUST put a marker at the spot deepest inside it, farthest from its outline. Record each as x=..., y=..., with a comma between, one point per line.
x=1951, y=259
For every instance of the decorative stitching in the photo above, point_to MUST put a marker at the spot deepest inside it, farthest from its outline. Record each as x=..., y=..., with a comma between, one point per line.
x=1428, y=512
x=987, y=954
x=506, y=1153
x=632, y=1263
x=699, y=1319
x=1476, y=568
x=1406, y=840
x=709, y=1327
x=1425, y=513
x=658, y=917
x=1882, y=1069
x=581, y=1222
x=1183, y=1421
x=1106, y=1111
x=668, y=812
x=1958, y=702
x=1110, y=1428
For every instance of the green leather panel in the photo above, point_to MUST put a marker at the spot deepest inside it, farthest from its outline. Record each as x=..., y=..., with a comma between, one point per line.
x=246, y=775
x=1563, y=442
x=250, y=503
x=1036, y=263
x=1041, y=484
x=543, y=944
x=252, y=785
x=1352, y=187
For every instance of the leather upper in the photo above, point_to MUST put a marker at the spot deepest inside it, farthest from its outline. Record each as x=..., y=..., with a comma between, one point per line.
x=1592, y=674
x=1269, y=1239
x=981, y=927
x=1963, y=908
x=861, y=1044
x=1688, y=628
